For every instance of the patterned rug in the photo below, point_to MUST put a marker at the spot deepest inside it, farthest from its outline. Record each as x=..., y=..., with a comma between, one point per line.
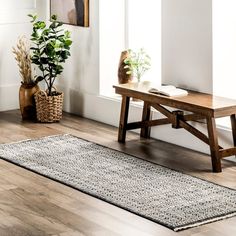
x=165, y=196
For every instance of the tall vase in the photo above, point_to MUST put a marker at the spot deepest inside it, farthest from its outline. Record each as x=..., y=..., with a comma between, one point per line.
x=26, y=99
x=123, y=77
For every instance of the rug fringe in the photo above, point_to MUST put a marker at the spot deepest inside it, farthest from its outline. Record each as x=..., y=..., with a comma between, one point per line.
x=204, y=222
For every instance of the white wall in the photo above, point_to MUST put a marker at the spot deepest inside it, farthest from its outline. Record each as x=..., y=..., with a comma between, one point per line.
x=187, y=44
x=224, y=51
x=92, y=51
x=81, y=74
x=13, y=23
x=111, y=41
x=144, y=31
x=224, y=46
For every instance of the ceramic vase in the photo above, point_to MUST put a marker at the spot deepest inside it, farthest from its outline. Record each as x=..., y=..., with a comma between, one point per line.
x=26, y=100
x=123, y=77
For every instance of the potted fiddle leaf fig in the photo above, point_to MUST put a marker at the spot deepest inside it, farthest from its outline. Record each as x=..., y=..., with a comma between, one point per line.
x=50, y=50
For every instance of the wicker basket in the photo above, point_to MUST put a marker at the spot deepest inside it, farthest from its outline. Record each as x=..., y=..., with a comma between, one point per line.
x=48, y=108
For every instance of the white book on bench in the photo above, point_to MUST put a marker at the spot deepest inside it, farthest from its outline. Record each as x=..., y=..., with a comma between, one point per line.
x=168, y=90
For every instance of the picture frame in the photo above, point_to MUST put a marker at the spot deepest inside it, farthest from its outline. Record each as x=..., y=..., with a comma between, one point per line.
x=72, y=12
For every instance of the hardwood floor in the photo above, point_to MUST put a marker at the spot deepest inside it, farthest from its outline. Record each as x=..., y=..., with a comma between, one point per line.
x=34, y=205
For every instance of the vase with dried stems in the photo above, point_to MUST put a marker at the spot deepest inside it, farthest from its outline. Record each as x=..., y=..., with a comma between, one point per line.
x=29, y=86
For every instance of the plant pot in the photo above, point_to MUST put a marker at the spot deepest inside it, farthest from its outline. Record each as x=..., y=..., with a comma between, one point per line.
x=26, y=100
x=123, y=78
x=49, y=108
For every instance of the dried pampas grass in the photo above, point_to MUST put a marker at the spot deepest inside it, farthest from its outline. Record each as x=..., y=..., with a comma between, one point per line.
x=22, y=56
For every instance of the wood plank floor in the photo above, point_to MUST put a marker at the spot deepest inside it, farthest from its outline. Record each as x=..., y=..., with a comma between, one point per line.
x=34, y=205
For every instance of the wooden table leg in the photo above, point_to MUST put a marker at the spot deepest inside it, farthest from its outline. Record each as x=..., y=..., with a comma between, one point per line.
x=146, y=131
x=233, y=125
x=123, y=118
x=214, y=147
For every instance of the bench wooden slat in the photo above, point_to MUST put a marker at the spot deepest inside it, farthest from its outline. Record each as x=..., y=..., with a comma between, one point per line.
x=142, y=124
x=227, y=152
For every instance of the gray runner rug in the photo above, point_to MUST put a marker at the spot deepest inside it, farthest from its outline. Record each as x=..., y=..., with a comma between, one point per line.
x=165, y=196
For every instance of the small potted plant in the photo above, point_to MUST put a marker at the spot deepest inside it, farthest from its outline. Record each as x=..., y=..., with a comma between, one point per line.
x=29, y=85
x=51, y=49
x=137, y=63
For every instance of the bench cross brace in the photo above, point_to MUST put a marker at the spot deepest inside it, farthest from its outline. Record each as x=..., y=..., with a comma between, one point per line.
x=178, y=120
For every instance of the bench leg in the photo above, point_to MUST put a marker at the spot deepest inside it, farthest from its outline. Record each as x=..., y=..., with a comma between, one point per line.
x=214, y=147
x=233, y=125
x=146, y=131
x=123, y=118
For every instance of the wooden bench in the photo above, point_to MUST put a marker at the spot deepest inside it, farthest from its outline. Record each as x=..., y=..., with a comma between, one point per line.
x=201, y=106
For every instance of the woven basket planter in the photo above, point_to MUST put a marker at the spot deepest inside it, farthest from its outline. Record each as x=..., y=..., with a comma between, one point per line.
x=48, y=108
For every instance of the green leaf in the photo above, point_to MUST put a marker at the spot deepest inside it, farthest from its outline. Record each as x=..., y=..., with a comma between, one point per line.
x=54, y=17
x=67, y=34
x=33, y=17
x=44, y=60
x=59, y=24
x=68, y=42
x=38, y=79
